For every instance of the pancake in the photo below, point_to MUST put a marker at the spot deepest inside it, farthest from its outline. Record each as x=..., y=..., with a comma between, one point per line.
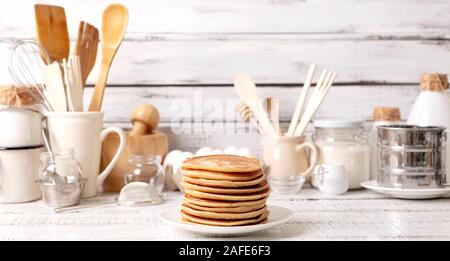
x=221, y=176
x=223, y=163
x=219, y=215
x=217, y=222
x=227, y=191
x=183, y=220
x=225, y=210
x=246, y=197
x=223, y=183
x=222, y=204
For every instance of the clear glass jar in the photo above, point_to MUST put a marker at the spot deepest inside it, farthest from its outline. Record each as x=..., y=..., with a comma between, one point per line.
x=146, y=168
x=343, y=142
x=63, y=163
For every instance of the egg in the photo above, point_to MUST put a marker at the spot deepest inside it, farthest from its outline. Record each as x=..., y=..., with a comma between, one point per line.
x=230, y=150
x=170, y=156
x=216, y=152
x=203, y=151
x=244, y=152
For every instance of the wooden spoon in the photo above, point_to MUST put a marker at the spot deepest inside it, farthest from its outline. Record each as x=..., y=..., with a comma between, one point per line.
x=51, y=29
x=86, y=48
x=246, y=89
x=114, y=24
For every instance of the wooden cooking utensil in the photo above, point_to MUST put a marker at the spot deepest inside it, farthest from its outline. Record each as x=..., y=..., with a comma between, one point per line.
x=86, y=48
x=246, y=89
x=74, y=90
x=301, y=101
x=51, y=28
x=145, y=119
x=114, y=24
x=55, y=86
x=247, y=115
x=272, y=107
x=321, y=90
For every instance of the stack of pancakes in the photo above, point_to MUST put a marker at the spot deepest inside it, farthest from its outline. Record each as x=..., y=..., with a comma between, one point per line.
x=224, y=190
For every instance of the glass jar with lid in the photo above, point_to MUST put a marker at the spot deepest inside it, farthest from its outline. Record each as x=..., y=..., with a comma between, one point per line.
x=61, y=162
x=343, y=142
x=146, y=168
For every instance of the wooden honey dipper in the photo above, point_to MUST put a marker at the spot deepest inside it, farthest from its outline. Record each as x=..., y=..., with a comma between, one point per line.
x=247, y=115
x=145, y=119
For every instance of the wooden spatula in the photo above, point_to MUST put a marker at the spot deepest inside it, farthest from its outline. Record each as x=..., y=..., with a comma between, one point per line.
x=86, y=48
x=246, y=89
x=55, y=86
x=114, y=25
x=51, y=28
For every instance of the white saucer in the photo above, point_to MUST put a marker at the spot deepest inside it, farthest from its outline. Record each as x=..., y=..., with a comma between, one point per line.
x=277, y=216
x=406, y=193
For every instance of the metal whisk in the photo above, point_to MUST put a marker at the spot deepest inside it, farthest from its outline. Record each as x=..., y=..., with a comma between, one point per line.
x=27, y=60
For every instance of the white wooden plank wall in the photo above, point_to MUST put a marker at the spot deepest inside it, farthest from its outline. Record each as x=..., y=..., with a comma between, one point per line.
x=187, y=52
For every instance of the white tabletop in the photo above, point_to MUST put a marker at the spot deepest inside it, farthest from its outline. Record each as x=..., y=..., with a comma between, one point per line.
x=357, y=215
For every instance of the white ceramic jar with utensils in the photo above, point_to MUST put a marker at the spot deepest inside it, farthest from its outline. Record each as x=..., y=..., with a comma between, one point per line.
x=287, y=162
x=83, y=131
x=381, y=116
x=432, y=106
x=343, y=142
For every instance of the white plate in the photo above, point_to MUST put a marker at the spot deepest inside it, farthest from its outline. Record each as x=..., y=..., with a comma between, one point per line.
x=277, y=216
x=406, y=193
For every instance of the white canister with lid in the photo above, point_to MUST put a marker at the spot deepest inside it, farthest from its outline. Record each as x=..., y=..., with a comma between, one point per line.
x=432, y=106
x=381, y=116
x=343, y=142
x=21, y=127
x=19, y=170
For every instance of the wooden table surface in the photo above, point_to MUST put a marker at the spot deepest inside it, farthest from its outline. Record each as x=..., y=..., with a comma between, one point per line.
x=357, y=215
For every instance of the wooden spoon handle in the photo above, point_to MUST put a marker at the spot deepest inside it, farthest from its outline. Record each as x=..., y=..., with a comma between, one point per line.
x=301, y=101
x=99, y=90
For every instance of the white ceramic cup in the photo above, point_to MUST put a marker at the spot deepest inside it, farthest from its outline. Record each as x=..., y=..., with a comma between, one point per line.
x=20, y=128
x=332, y=179
x=19, y=170
x=83, y=131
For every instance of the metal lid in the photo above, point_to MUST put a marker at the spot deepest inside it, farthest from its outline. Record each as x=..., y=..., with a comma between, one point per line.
x=405, y=127
x=337, y=123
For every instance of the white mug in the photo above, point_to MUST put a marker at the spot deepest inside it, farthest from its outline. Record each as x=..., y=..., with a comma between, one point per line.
x=19, y=170
x=332, y=179
x=83, y=131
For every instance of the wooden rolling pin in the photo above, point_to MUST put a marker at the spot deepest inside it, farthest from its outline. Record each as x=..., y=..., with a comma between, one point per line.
x=143, y=139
